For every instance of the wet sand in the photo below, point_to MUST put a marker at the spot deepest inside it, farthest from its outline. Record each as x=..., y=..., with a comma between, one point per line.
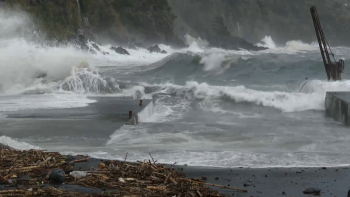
x=271, y=182
x=265, y=182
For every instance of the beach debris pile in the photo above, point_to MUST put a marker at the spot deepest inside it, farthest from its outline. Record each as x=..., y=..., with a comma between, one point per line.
x=41, y=173
x=314, y=191
x=40, y=191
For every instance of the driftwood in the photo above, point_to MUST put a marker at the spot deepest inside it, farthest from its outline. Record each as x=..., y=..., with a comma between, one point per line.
x=80, y=160
x=117, y=178
x=241, y=190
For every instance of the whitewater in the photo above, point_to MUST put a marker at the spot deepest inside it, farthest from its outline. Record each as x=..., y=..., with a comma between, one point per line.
x=214, y=107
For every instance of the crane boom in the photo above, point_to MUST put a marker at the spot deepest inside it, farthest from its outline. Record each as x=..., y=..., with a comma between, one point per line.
x=333, y=70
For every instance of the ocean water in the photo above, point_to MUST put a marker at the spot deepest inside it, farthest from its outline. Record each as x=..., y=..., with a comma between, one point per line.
x=214, y=107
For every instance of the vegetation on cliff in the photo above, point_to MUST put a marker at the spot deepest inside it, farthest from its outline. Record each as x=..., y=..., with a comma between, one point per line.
x=122, y=21
x=221, y=22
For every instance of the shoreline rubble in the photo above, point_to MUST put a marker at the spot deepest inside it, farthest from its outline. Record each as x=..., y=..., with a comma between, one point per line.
x=30, y=173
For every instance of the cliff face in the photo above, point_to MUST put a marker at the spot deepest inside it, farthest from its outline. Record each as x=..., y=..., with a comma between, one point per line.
x=122, y=21
x=284, y=20
x=126, y=22
x=221, y=22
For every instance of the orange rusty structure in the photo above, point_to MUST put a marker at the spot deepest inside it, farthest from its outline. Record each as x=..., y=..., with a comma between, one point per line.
x=333, y=69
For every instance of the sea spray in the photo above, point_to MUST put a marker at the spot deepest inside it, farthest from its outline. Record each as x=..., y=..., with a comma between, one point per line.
x=84, y=79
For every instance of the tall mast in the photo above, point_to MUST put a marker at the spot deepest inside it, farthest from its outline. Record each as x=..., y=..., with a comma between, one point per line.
x=335, y=69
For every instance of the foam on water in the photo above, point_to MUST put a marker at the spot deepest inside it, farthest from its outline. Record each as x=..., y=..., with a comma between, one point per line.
x=83, y=79
x=291, y=47
x=34, y=75
x=311, y=96
x=16, y=144
x=25, y=57
x=225, y=159
x=267, y=42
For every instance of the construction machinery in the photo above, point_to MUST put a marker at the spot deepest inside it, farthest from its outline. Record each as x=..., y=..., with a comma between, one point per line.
x=333, y=69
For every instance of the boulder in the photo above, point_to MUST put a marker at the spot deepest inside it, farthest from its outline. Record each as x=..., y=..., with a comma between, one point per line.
x=120, y=50
x=154, y=49
x=57, y=176
x=82, y=40
x=96, y=46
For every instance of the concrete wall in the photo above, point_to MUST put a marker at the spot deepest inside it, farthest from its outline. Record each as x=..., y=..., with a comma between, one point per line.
x=337, y=106
x=145, y=113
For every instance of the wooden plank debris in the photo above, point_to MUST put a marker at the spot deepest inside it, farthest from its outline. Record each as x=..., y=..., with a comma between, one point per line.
x=117, y=178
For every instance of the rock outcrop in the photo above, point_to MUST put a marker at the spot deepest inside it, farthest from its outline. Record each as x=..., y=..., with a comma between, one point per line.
x=120, y=50
x=96, y=46
x=154, y=49
x=57, y=176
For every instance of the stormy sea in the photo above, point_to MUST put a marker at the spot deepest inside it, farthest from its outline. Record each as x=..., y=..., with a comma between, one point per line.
x=213, y=107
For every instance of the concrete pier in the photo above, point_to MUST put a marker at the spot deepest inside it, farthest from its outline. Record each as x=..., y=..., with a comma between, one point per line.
x=337, y=106
x=97, y=120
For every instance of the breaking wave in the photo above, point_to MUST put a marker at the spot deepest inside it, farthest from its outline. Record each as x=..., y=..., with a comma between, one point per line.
x=311, y=99
x=293, y=46
x=31, y=64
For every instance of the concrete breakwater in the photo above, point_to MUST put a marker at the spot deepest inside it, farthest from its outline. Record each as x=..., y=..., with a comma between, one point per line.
x=146, y=110
x=337, y=106
x=97, y=120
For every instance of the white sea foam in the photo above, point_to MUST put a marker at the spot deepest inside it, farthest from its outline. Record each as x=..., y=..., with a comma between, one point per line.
x=311, y=96
x=31, y=70
x=297, y=45
x=267, y=42
x=285, y=101
x=227, y=159
x=83, y=79
x=220, y=158
x=291, y=47
x=197, y=41
x=24, y=57
x=212, y=61
x=16, y=144
x=22, y=62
